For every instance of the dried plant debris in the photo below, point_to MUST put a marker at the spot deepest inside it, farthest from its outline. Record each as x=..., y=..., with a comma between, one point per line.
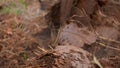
x=78, y=58
x=108, y=62
x=108, y=32
x=89, y=6
x=88, y=34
